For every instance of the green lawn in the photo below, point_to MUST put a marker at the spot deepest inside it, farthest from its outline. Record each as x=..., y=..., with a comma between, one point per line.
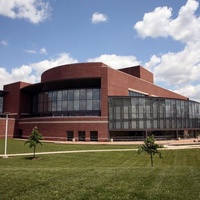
x=17, y=146
x=101, y=175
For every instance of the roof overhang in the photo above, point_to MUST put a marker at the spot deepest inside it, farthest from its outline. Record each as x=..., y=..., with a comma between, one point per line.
x=64, y=84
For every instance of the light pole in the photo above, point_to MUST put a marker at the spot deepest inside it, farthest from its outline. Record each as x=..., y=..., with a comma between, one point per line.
x=6, y=136
x=6, y=132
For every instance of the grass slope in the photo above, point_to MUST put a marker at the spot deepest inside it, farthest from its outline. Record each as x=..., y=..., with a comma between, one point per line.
x=102, y=175
x=17, y=146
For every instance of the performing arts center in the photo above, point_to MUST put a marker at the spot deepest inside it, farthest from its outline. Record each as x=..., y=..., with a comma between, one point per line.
x=94, y=102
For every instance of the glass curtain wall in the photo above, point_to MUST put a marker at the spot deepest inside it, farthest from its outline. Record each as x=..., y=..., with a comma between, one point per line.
x=68, y=102
x=129, y=113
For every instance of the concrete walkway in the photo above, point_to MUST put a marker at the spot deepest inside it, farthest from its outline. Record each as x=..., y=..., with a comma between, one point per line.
x=166, y=147
x=176, y=147
x=65, y=152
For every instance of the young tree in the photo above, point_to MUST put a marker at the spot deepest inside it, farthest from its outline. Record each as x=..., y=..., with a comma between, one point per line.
x=34, y=139
x=150, y=147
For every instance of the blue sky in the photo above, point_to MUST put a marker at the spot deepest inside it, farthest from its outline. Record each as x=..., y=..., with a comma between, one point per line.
x=162, y=36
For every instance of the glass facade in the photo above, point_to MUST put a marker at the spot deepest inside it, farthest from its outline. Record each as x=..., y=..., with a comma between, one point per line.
x=68, y=102
x=133, y=93
x=140, y=113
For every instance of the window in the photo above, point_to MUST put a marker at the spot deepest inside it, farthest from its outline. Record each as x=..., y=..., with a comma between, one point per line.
x=93, y=135
x=81, y=135
x=152, y=113
x=70, y=135
x=68, y=101
x=133, y=93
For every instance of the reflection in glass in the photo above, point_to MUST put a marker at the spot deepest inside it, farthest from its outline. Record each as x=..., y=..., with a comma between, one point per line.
x=67, y=100
x=1, y=104
x=153, y=113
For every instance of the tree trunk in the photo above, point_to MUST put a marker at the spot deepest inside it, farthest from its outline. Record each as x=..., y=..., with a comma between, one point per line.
x=151, y=159
x=34, y=151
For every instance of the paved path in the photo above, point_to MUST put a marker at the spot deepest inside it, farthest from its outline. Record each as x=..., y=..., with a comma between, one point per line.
x=166, y=147
x=192, y=146
x=63, y=152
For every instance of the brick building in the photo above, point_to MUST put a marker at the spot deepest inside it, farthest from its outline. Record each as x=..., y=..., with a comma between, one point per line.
x=94, y=102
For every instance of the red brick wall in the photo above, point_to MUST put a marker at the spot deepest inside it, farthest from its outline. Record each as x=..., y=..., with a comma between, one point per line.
x=56, y=127
x=139, y=72
x=11, y=127
x=104, y=91
x=113, y=83
x=14, y=100
x=80, y=70
x=119, y=82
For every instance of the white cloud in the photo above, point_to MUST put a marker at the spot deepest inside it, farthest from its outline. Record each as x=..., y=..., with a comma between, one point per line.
x=154, y=61
x=180, y=68
x=155, y=23
x=31, y=73
x=99, y=17
x=22, y=72
x=4, y=43
x=191, y=91
x=185, y=28
x=34, y=11
x=61, y=59
x=176, y=70
x=43, y=51
x=115, y=61
x=4, y=75
x=40, y=51
x=30, y=51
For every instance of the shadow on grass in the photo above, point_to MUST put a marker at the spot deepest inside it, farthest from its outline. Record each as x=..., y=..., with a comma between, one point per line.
x=32, y=158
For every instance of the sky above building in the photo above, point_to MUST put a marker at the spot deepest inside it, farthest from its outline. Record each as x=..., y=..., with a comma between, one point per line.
x=162, y=36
